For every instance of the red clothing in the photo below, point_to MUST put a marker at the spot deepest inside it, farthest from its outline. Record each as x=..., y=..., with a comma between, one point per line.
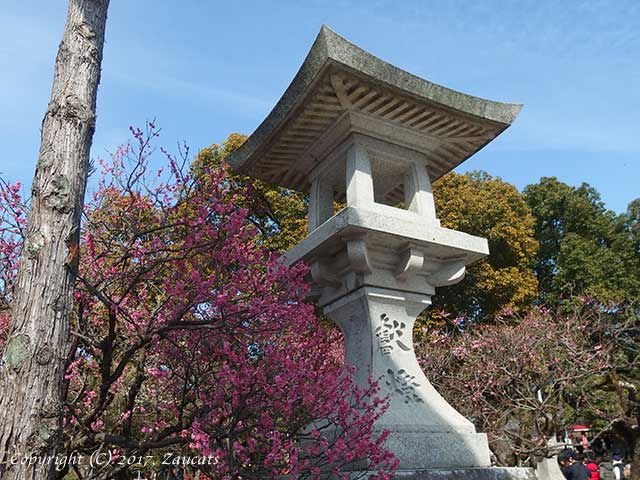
x=594, y=473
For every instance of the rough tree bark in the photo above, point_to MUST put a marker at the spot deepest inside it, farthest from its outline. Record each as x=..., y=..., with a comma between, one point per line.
x=32, y=374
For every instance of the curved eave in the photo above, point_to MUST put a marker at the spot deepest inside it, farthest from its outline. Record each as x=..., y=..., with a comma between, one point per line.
x=330, y=48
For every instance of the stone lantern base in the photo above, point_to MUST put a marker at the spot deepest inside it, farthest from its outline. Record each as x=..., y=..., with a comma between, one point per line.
x=426, y=431
x=492, y=473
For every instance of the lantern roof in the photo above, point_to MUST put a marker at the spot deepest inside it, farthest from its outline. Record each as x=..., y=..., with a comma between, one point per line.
x=341, y=87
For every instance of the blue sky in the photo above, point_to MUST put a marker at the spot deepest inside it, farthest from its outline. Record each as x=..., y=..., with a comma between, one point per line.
x=206, y=69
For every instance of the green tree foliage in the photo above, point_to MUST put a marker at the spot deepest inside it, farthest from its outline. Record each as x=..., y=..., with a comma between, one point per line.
x=486, y=206
x=584, y=248
x=280, y=214
x=632, y=222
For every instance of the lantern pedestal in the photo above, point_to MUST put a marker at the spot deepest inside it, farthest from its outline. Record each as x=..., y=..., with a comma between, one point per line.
x=426, y=432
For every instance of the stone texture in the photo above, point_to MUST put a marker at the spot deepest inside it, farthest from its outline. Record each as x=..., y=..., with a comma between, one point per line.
x=548, y=468
x=369, y=243
x=493, y=473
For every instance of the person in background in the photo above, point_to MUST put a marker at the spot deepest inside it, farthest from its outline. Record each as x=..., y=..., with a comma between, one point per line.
x=592, y=466
x=618, y=447
x=599, y=446
x=572, y=469
x=618, y=467
x=606, y=470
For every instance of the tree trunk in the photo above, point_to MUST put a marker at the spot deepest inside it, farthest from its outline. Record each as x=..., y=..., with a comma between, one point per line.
x=31, y=403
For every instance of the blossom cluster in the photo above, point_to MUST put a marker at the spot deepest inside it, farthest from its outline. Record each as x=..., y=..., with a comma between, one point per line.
x=189, y=336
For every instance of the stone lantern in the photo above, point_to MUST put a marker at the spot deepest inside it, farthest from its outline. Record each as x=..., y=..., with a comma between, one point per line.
x=354, y=130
